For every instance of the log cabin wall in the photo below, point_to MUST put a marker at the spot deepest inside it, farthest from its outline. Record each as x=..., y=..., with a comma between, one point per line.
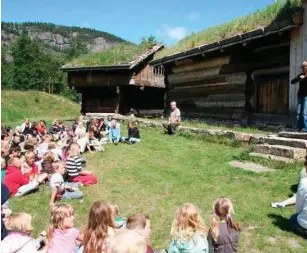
x=244, y=82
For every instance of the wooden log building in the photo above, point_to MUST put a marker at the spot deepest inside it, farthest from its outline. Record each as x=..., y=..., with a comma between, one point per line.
x=245, y=78
x=133, y=87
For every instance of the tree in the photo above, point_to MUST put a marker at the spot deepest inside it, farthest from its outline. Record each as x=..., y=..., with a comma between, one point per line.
x=150, y=40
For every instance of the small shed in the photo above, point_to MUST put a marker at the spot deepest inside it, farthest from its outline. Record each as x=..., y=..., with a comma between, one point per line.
x=126, y=87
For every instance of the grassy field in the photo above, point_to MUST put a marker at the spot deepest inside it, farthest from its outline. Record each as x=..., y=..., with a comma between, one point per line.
x=17, y=105
x=278, y=11
x=159, y=174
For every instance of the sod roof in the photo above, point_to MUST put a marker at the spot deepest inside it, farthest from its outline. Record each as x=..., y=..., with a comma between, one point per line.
x=125, y=54
x=279, y=11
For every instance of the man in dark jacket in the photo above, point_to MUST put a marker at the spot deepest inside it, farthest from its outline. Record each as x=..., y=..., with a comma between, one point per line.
x=302, y=98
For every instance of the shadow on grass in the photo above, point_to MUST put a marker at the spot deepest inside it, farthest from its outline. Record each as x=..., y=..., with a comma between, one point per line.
x=284, y=224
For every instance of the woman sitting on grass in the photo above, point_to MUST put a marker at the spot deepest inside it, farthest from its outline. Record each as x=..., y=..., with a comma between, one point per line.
x=74, y=167
x=133, y=134
x=223, y=234
x=187, y=231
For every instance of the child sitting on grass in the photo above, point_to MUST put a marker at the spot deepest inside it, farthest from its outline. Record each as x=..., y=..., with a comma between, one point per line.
x=99, y=229
x=118, y=220
x=187, y=231
x=133, y=134
x=18, y=238
x=74, y=167
x=18, y=183
x=62, y=235
x=141, y=223
x=60, y=190
x=223, y=234
x=46, y=165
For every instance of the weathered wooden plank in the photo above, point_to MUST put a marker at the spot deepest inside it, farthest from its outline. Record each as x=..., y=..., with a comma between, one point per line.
x=183, y=66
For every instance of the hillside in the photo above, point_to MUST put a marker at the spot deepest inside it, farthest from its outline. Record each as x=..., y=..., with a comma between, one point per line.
x=279, y=11
x=58, y=38
x=17, y=105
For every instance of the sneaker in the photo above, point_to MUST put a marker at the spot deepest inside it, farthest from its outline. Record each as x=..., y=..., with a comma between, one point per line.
x=278, y=205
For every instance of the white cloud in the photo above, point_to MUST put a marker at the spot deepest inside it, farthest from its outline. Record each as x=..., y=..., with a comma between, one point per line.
x=193, y=15
x=176, y=33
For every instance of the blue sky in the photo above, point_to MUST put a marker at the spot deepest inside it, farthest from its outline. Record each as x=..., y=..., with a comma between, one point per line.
x=168, y=20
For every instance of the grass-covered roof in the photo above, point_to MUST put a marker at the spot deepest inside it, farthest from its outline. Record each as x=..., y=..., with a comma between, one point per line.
x=280, y=10
x=124, y=53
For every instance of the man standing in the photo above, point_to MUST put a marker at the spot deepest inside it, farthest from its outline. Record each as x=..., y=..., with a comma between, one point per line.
x=301, y=99
x=174, y=120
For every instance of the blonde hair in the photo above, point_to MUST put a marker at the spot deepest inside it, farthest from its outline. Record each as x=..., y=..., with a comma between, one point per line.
x=59, y=212
x=19, y=221
x=74, y=149
x=222, y=208
x=187, y=222
x=49, y=156
x=28, y=154
x=128, y=242
x=51, y=145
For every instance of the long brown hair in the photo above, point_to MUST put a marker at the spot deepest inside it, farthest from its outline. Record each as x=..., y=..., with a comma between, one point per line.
x=99, y=220
x=224, y=210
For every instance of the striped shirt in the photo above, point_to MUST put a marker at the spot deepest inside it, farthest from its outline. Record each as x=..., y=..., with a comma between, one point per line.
x=74, y=166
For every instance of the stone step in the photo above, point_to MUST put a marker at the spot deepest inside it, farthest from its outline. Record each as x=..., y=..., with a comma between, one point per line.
x=250, y=166
x=273, y=157
x=295, y=135
x=291, y=142
x=280, y=150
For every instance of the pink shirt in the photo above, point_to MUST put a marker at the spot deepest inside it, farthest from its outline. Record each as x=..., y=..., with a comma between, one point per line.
x=63, y=241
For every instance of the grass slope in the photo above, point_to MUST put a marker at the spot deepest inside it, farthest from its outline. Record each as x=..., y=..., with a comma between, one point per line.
x=278, y=11
x=159, y=174
x=123, y=53
x=17, y=105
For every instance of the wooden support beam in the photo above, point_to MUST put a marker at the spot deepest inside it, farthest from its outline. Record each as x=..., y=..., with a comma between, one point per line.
x=285, y=44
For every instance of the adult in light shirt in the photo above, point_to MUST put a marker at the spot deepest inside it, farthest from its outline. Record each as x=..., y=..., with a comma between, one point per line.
x=174, y=120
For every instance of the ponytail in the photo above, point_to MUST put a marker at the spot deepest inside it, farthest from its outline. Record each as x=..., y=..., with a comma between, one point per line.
x=231, y=224
x=214, y=228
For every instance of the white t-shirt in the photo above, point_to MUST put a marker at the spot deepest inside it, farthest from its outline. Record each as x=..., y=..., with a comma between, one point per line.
x=174, y=114
x=301, y=202
x=57, y=181
x=80, y=131
x=82, y=143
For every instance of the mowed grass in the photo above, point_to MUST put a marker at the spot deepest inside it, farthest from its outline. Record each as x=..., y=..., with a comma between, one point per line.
x=162, y=172
x=35, y=105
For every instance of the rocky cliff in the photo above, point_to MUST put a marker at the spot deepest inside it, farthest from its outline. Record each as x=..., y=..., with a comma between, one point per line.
x=58, y=38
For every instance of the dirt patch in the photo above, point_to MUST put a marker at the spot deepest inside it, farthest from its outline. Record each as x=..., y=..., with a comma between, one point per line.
x=293, y=242
x=272, y=240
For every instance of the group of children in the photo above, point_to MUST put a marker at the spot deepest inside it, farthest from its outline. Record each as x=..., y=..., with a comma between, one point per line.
x=105, y=231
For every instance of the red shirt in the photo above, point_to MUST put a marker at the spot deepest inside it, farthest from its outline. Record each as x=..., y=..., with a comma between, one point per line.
x=41, y=129
x=14, y=179
x=33, y=172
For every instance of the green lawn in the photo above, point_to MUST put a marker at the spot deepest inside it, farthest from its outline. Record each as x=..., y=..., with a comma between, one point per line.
x=159, y=174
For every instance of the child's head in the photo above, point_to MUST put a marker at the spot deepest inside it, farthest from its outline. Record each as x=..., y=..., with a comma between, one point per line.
x=42, y=123
x=3, y=163
x=187, y=221
x=29, y=145
x=127, y=242
x=62, y=217
x=30, y=158
x=140, y=222
x=224, y=210
x=48, y=157
x=51, y=145
x=16, y=139
x=114, y=210
x=14, y=151
x=15, y=161
x=74, y=149
x=59, y=167
x=130, y=124
x=99, y=220
x=19, y=221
